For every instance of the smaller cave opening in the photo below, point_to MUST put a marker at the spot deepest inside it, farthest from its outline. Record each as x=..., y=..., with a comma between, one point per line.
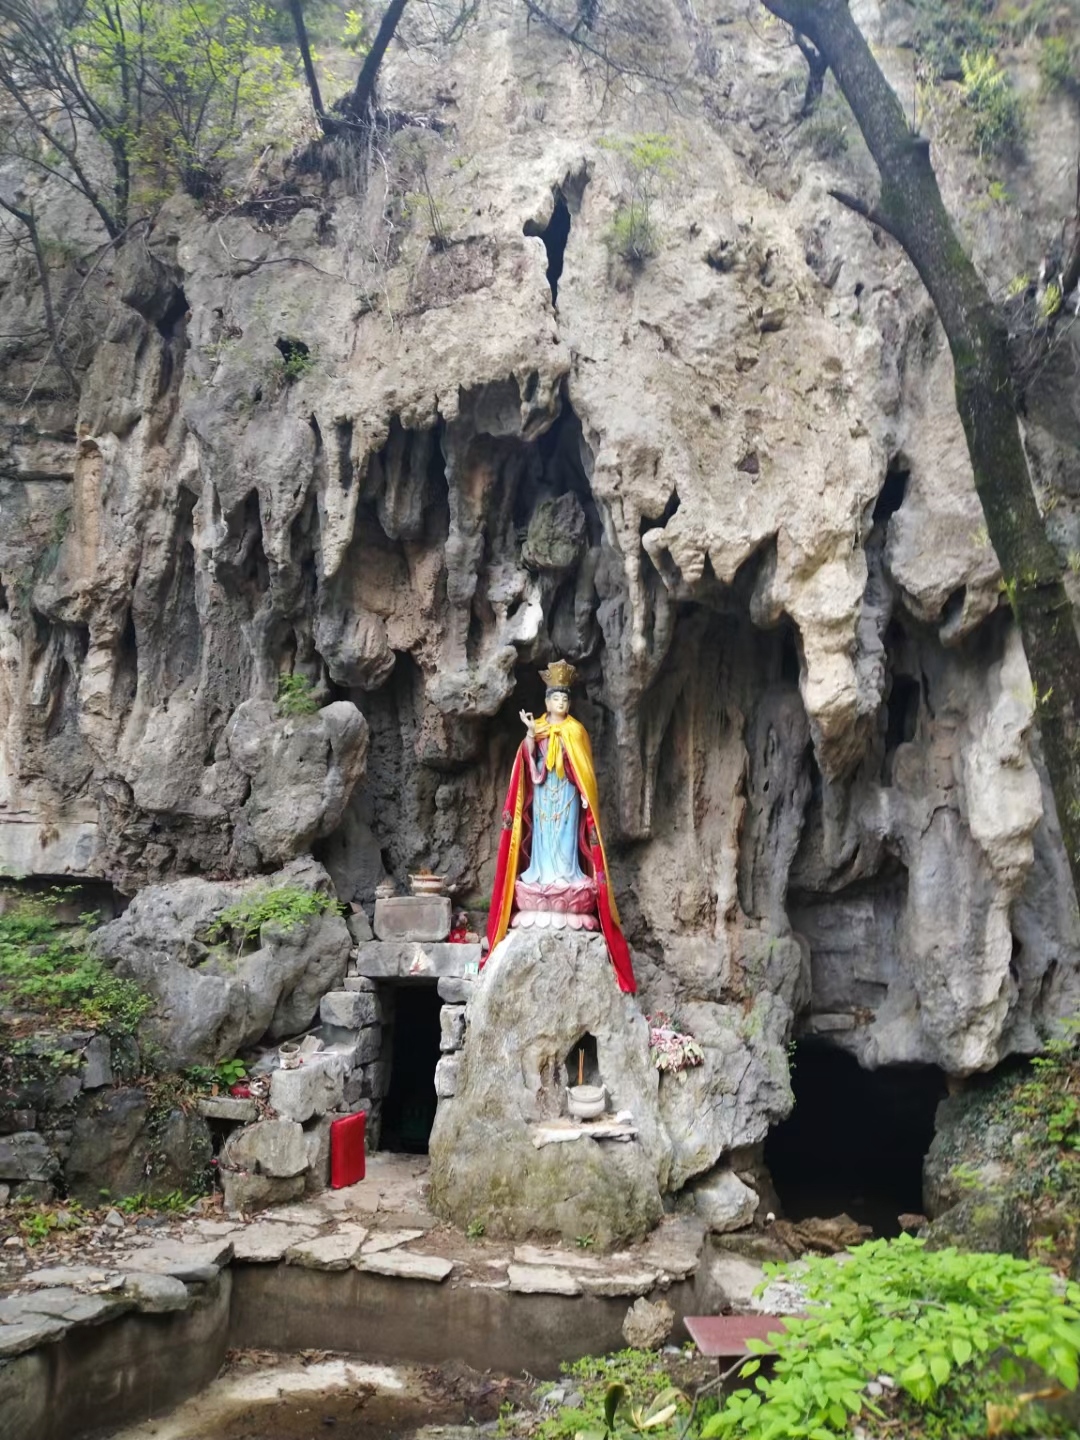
x=893, y=491
x=408, y=1111
x=855, y=1142
x=582, y=1062
x=174, y=314
x=659, y=522
x=554, y=235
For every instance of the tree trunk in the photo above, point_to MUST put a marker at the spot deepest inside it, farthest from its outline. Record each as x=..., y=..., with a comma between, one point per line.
x=362, y=99
x=910, y=208
x=296, y=10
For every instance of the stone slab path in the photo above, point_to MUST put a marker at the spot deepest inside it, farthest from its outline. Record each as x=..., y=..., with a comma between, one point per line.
x=381, y=1225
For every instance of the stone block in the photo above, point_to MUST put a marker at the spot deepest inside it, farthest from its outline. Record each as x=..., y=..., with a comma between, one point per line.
x=311, y=1089
x=446, y=1076
x=157, y=1294
x=361, y=983
x=457, y=989
x=359, y=926
x=26, y=1156
x=542, y=1280
x=648, y=1325
x=402, y=1265
x=413, y=917
x=409, y=960
x=246, y=1193
x=267, y=1241
x=276, y=1148
x=13, y=1121
x=355, y=1090
x=724, y=1202
x=317, y=1140
x=228, y=1107
x=451, y=1027
x=97, y=1067
x=354, y=1047
x=350, y=1009
x=328, y=1252
x=377, y=1079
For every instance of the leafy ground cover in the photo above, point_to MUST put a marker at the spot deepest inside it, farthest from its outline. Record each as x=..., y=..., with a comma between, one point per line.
x=48, y=970
x=897, y=1341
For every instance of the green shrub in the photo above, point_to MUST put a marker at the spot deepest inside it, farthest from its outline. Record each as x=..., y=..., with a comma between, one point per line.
x=1056, y=64
x=294, y=696
x=945, y=29
x=633, y=235
x=996, y=109
x=953, y=1334
x=649, y=162
x=284, y=907
x=48, y=968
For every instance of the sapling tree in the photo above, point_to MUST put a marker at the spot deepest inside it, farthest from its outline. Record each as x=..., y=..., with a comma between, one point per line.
x=909, y=207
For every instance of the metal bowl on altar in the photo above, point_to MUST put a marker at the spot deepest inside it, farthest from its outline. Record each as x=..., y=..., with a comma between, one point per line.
x=426, y=883
x=586, y=1102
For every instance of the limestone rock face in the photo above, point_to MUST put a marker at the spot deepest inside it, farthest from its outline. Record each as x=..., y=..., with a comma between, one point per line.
x=303, y=770
x=728, y=483
x=540, y=995
x=210, y=1002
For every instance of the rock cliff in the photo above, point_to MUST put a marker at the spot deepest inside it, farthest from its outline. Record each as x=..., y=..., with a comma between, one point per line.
x=407, y=452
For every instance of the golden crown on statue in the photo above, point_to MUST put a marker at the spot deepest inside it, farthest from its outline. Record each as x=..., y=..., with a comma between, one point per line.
x=559, y=675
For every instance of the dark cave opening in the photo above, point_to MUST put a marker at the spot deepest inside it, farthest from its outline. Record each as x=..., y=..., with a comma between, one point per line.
x=409, y=1108
x=893, y=491
x=855, y=1142
x=554, y=235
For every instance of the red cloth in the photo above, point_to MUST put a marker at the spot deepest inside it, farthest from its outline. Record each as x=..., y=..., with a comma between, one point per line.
x=589, y=844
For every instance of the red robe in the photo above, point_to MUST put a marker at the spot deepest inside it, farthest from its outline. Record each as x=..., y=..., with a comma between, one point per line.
x=514, y=846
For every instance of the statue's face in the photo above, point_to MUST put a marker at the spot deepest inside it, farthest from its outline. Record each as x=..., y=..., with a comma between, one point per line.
x=558, y=703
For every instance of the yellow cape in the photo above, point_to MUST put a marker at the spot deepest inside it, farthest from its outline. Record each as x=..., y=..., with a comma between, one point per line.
x=565, y=737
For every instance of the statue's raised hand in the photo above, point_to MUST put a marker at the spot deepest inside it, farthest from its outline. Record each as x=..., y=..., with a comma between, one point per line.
x=528, y=719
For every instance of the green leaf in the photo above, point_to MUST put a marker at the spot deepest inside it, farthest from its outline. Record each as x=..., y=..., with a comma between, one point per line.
x=940, y=1368
x=961, y=1350
x=613, y=1398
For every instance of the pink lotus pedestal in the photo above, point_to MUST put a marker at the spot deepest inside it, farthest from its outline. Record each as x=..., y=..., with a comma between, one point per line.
x=557, y=906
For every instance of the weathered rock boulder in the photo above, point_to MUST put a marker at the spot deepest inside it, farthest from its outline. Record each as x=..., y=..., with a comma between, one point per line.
x=120, y=1147
x=742, y=1087
x=539, y=996
x=723, y=1201
x=303, y=770
x=210, y=1000
x=994, y=1222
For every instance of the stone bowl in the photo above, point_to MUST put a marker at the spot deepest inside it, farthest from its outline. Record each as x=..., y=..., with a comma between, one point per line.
x=586, y=1102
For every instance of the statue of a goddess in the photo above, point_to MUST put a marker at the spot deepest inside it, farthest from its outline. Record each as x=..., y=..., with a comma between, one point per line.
x=551, y=869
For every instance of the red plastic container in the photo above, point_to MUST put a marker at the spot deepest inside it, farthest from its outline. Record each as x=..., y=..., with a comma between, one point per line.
x=347, y=1150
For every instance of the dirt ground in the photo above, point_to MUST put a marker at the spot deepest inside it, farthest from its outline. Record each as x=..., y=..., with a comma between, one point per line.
x=260, y=1396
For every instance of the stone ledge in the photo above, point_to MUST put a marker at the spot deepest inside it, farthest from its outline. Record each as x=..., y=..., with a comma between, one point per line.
x=402, y=1265
x=413, y=960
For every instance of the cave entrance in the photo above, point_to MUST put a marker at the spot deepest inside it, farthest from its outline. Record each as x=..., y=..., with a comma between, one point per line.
x=856, y=1139
x=554, y=235
x=408, y=1111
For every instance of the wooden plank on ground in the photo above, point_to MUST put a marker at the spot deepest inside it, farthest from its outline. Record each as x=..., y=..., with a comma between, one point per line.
x=725, y=1336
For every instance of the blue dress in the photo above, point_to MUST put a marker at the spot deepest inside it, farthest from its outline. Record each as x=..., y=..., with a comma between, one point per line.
x=556, y=815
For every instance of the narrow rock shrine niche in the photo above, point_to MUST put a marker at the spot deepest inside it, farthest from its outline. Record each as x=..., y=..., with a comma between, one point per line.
x=582, y=1063
x=855, y=1142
